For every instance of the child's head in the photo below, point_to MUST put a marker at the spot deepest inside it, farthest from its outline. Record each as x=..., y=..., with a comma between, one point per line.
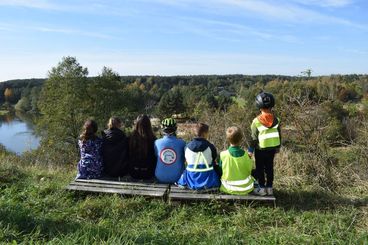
x=114, y=122
x=265, y=100
x=169, y=126
x=89, y=130
x=201, y=130
x=234, y=135
x=143, y=126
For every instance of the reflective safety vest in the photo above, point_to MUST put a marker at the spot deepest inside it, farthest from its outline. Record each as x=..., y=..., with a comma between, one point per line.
x=267, y=137
x=236, y=174
x=199, y=161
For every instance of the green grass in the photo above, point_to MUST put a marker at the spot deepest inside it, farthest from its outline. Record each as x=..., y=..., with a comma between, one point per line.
x=36, y=208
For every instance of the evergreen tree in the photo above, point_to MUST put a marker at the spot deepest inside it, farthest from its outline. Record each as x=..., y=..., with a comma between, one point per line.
x=171, y=103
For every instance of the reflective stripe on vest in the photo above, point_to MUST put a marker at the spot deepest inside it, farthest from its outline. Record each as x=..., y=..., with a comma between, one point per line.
x=238, y=185
x=200, y=167
x=267, y=137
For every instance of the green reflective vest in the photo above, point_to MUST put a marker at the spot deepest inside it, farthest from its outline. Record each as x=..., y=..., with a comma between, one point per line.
x=267, y=137
x=236, y=174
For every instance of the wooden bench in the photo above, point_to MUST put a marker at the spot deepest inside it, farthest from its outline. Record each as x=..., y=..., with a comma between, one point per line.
x=120, y=187
x=177, y=193
x=165, y=191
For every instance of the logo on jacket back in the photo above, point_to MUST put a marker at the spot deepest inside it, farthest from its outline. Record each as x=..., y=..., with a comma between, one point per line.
x=168, y=156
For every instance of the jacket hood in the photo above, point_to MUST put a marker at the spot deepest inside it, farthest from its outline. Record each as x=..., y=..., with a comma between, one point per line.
x=198, y=144
x=267, y=119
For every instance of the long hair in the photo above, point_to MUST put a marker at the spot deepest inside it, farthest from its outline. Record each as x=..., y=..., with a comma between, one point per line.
x=89, y=131
x=114, y=122
x=142, y=137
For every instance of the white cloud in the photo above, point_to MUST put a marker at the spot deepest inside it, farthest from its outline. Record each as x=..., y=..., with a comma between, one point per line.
x=48, y=29
x=326, y=3
x=286, y=11
x=231, y=31
x=71, y=32
x=38, y=4
x=291, y=11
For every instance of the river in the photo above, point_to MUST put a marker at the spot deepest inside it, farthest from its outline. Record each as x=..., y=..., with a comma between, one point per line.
x=17, y=133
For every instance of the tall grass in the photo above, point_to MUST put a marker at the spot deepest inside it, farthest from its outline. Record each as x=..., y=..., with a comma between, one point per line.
x=36, y=208
x=321, y=190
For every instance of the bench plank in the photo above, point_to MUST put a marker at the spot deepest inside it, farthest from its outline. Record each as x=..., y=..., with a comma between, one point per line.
x=119, y=187
x=158, y=193
x=129, y=187
x=177, y=193
x=120, y=182
x=191, y=196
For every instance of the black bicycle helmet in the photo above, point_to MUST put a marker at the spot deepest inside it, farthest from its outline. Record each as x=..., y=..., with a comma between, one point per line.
x=265, y=100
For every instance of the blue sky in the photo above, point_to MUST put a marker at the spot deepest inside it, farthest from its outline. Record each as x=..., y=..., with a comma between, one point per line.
x=172, y=37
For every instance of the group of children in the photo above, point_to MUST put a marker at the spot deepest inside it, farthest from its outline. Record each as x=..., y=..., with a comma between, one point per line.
x=193, y=165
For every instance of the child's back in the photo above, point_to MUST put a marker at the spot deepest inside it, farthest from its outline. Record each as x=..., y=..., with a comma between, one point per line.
x=170, y=158
x=90, y=146
x=200, y=156
x=236, y=165
x=236, y=171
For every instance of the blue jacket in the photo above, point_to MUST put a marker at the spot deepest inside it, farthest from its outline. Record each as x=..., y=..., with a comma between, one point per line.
x=170, y=158
x=199, y=173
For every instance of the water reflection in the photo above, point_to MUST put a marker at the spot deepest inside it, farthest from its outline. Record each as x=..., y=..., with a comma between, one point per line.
x=17, y=133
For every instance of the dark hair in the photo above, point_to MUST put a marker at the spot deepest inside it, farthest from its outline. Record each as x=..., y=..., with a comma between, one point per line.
x=200, y=129
x=89, y=131
x=234, y=135
x=142, y=137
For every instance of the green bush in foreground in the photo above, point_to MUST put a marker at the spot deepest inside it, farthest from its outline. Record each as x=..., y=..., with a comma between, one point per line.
x=35, y=208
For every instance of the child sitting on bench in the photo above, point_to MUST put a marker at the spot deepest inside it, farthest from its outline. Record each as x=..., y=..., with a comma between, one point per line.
x=236, y=165
x=170, y=153
x=90, y=146
x=200, y=156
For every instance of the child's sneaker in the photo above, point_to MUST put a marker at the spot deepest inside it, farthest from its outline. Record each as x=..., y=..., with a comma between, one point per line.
x=260, y=191
x=180, y=186
x=269, y=191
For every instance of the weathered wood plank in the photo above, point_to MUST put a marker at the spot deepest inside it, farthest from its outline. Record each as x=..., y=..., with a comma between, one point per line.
x=120, y=182
x=157, y=193
x=175, y=189
x=129, y=187
x=197, y=196
x=177, y=193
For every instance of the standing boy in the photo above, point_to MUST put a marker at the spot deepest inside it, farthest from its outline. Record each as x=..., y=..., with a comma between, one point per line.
x=200, y=156
x=266, y=141
x=236, y=165
x=170, y=153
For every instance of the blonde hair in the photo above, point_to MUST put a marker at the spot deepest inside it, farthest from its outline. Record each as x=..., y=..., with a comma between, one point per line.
x=234, y=135
x=113, y=122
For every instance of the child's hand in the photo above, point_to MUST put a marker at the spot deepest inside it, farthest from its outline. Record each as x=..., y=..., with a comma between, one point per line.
x=250, y=154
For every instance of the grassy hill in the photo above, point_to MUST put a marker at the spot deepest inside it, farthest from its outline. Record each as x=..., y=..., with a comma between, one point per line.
x=35, y=208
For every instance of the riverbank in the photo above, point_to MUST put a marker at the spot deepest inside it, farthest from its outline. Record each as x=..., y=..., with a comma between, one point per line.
x=35, y=207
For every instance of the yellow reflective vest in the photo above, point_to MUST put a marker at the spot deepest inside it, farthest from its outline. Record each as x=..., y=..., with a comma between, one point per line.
x=267, y=137
x=236, y=174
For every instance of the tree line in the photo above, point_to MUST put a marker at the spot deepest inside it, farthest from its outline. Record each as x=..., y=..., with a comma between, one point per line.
x=68, y=96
